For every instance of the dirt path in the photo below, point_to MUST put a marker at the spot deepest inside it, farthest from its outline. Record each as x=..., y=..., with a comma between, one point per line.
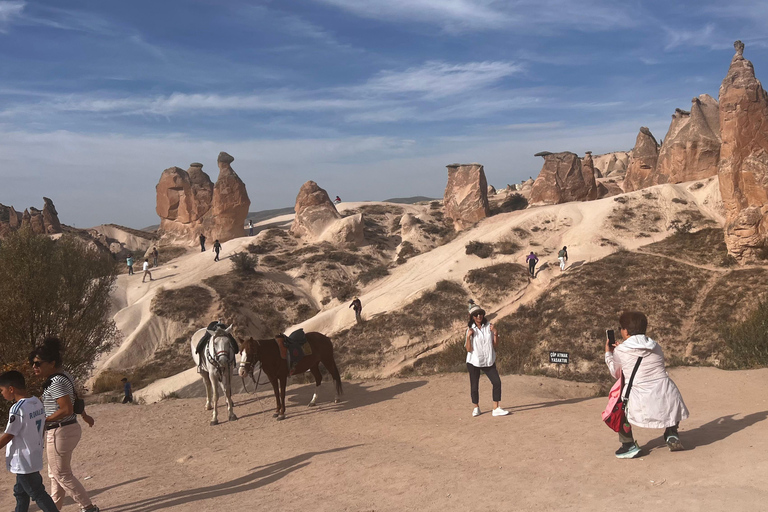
x=411, y=444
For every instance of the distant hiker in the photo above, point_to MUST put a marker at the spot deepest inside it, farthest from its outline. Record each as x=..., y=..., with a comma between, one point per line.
x=654, y=400
x=216, y=249
x=24, y=440
x=129, y=262
x=532, y=261
x=481, y=343
x=337, y=200
x=563, y=257
x=146, y=271
x=250, y=227
x=154, y=257
x=202, y=242
x=127, y=390
x=358, y=306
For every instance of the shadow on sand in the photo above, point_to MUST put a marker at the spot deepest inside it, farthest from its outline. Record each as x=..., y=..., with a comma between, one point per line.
x=712, y=432
x=257, y=477
x=544, y=405
x=96, y=492
x=355, y=395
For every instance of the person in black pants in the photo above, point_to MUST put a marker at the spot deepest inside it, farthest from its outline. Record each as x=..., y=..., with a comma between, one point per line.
x=202, y=242
x=532, y=261
x=216, y=249
x=481, y=342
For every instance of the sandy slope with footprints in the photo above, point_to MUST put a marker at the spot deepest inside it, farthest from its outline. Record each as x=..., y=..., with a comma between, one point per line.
x=411, y=444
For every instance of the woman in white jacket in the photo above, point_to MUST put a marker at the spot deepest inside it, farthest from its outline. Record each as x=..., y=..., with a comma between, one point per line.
x=654, y=400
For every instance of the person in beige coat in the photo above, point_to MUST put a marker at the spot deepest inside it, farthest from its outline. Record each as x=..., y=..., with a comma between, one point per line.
x=654, y=400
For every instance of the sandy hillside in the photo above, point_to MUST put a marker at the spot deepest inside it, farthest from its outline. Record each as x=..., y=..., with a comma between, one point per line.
x=411, y=444
x=587, y=228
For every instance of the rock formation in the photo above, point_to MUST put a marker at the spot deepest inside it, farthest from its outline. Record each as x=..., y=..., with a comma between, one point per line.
x=466, y=195
x=691, y=149
x=230, y=202
x=612, y=165
x=743, y=170
x=315, y=212
x=588, y=174
x=642, y=162
x=563, y=179
x=188, y=202
x=491, y=190
x=45, y=221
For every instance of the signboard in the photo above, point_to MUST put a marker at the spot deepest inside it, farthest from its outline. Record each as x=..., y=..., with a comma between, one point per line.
x=559, y=357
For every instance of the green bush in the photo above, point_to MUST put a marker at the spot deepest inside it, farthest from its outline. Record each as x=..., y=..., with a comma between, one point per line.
x=747, y=342
x=55, y=288
x=243, y=263
x=479, y=249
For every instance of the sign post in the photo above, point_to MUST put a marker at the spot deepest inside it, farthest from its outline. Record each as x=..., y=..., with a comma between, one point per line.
x=559, y=358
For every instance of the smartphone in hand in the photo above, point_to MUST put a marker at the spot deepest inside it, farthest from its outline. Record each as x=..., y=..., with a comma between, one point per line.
x=611, y=337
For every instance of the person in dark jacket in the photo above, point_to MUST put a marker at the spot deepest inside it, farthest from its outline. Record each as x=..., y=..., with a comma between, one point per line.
x=358, y=307
x=202, y=242
x=216, y=249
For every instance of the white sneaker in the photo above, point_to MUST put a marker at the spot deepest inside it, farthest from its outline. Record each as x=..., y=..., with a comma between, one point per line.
x=499, y=412
x=476, y=412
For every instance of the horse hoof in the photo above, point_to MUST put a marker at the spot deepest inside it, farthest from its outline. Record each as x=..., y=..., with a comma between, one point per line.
x=214, y=422
x=275, y=415
x=311, y=404
x=233, y=418
x=337, y=401
x=281, y=417
x=208, y=407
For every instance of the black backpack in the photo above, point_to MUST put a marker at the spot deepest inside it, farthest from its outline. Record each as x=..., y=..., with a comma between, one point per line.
x=78, y=406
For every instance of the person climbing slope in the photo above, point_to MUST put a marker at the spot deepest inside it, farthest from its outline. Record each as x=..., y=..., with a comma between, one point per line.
x=532, y=261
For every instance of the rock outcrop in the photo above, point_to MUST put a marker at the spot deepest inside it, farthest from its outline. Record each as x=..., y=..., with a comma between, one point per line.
x=45, y=221
x=612, y=165
x=466, y=195
x=563, y=179
x=315, y=212
x=743, y=170
x=642, y=162
x=491, y=190
x=691, y=149
x=189, y=203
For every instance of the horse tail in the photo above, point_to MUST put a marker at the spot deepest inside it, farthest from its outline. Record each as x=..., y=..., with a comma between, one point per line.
x=334, y=370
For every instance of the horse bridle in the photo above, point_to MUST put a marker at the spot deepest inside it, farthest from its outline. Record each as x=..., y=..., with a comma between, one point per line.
x=214, y=360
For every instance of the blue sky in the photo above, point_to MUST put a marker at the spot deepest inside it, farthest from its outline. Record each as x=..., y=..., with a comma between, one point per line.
x=370, y=98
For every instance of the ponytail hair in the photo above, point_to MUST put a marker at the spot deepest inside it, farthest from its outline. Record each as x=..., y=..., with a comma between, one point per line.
x=49, y=350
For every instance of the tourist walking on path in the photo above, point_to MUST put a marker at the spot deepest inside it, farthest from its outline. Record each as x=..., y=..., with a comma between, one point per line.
x=532, y=261
x=202, y=242
x=250, y=227
x=24, y=440
x=216, y=249
x=127, y=390
x=358, y=307
x=155, y=254
x=654, y=401
x=481, y=343
x=129, y=262
x=62, y=430
x=563, y=257
x=146, y=271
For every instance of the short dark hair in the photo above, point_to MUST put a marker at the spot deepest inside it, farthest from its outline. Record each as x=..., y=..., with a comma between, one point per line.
x=123, y=380
x=471, y=321
x=49, y=351
x=13, y=378
x=634, y=322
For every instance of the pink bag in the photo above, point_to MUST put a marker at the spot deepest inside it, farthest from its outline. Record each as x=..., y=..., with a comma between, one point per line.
x=613, y=415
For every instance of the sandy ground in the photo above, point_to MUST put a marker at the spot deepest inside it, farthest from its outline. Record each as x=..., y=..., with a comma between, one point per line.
x=412, y=444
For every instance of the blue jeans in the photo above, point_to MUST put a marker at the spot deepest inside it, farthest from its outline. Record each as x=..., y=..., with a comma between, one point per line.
x=31, y=486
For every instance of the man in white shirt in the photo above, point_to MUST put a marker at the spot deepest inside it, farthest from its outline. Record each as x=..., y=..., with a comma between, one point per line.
x=23, y=439
x=146, y=271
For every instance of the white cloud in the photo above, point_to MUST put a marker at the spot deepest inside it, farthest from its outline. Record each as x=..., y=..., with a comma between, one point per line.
x=439, y=79
x=9, y=11
x=530, y=16
x=456, y=13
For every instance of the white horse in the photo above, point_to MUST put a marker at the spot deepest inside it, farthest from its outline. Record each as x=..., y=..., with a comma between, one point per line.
x=216, y=367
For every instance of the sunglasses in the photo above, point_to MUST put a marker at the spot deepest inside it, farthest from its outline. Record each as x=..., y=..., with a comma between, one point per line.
x=37, y=364
x=478, y=313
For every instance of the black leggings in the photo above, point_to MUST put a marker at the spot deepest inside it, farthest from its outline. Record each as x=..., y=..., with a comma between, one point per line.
x=532, y=266
x=474, y=381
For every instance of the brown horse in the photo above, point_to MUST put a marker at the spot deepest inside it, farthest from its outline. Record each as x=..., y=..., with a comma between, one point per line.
x=268, y=353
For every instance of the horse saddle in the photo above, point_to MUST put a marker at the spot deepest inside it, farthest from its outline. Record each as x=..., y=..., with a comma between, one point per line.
x=296, y=347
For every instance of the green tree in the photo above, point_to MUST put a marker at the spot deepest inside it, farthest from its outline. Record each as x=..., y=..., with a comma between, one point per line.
x=55, y=288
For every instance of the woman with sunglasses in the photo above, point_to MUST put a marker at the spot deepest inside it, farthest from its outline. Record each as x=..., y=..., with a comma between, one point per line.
x=62, y=429
x=481, y=343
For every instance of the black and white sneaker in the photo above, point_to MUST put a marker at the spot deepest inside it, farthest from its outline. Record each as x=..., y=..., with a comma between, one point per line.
x=628, y=451
x=674, y=444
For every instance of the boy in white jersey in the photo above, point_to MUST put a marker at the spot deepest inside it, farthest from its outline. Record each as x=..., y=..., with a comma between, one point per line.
x=24, y=439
